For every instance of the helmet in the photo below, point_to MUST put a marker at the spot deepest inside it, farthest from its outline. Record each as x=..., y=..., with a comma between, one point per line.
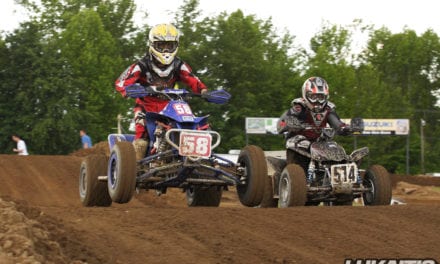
x=315, y=92
x=164, y=42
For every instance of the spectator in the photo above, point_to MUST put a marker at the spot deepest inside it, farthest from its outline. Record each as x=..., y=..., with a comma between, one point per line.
x=21, y=145
x=85, y=139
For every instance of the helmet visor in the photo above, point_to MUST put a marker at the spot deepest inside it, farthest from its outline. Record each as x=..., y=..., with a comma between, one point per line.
x=316, y=97
x=165, y=46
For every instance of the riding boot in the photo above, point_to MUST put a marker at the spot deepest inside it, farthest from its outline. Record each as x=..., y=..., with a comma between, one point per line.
x=140, y=147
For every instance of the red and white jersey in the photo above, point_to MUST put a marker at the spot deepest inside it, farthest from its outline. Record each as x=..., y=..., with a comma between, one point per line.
x=146, y=73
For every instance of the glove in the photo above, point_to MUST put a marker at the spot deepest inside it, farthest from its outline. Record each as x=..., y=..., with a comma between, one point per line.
x=204, y=94
x=344, y=131
x=139, y=118
x=357, y=125
x=136, y=91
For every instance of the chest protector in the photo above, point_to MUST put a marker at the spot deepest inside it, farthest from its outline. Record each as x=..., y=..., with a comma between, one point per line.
x=160, y=77
x=318, y=119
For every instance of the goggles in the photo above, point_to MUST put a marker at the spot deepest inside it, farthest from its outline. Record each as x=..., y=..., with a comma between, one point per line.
x=317, y=97
x=165, y=46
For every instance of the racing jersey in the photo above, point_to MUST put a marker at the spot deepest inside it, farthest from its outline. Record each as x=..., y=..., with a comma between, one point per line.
x=313, y=119
x=146, y=73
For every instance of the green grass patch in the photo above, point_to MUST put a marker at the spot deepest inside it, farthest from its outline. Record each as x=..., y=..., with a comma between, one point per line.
x=436, y=188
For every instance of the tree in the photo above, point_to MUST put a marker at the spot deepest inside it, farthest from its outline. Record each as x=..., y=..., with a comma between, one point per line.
x=29, y=62
x=93, y=60
x=407, y=67
x=67, y=56
x=245, y=57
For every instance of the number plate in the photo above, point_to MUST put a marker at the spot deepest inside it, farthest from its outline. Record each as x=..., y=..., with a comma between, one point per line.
x=195, y=144
x=343, y=173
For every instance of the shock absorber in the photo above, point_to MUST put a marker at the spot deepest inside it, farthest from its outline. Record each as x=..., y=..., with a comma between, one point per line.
x=359, y=178
x=311, y=172
x=160, y=143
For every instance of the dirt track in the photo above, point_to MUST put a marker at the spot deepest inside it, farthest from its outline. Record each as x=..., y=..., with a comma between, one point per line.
x=40, y=203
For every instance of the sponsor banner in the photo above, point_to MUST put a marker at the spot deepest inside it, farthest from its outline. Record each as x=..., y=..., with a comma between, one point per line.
x=261, y=125
x=384, y=126
x=268, y=125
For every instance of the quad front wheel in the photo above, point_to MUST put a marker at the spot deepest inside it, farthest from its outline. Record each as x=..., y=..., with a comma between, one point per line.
x=122, y=172
x=292, y=187
x=253, y=162
x=378, y=180
x=92, y=192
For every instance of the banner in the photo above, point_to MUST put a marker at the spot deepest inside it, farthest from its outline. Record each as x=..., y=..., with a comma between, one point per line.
x=268, y=125
x=261, y=125
x=384, y=126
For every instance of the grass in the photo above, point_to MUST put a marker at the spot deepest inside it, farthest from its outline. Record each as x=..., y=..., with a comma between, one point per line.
x=436, y=188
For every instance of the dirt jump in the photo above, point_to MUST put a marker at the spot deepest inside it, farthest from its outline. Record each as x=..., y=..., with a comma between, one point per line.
x=43, y=221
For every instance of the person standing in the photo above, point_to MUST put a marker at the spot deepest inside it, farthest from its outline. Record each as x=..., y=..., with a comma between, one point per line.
x=85, y=139
x=21, y=146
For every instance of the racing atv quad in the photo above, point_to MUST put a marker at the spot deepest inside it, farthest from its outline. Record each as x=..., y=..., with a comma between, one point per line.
x=180, y=155
x=325, y=174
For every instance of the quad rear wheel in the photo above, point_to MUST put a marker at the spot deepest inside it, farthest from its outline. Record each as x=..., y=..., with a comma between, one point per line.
x=204, y=196
x=253, y=162
x=268, y=201
x=92, y=192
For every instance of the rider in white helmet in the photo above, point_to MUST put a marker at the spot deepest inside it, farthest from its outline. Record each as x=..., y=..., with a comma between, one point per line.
x=159, y=68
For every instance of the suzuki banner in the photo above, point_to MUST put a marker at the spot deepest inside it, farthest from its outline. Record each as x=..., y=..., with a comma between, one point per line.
x=385, y=126
x=268, y=125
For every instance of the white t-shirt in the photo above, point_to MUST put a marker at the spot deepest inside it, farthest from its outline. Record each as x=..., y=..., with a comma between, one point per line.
x=22, y=146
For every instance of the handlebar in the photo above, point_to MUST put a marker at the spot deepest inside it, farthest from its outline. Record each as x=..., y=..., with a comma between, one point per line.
x=326, y=132
x=139, y=91
x=293, y=124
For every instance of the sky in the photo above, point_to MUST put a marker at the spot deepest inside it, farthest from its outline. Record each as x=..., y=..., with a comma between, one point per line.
x=303, y=19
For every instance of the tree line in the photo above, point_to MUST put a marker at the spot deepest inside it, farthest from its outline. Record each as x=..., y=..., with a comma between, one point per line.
x=58, y=68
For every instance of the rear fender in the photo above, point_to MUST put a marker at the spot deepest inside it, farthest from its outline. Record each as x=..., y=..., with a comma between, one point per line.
x=299, y=144
x=113, y=138
x=276, y=165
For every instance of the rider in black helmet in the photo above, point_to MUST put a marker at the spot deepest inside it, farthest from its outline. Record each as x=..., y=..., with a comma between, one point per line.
x=313, y=110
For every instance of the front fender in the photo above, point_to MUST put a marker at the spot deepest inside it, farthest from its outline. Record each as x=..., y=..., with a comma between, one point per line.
x=359, y=154
x=327, y=150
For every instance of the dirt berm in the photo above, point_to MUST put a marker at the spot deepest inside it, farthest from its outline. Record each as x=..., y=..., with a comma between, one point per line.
x=42, y=221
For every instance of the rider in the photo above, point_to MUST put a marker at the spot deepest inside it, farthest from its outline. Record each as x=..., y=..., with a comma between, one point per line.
x=159, y=68
x=312, y=110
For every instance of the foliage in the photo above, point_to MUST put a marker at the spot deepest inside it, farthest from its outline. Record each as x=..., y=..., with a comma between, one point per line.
x=406, y=67
x=244, y=56
x=61, y=72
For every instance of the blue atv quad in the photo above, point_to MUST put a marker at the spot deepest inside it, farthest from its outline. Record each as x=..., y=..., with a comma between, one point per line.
x=179, y=155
